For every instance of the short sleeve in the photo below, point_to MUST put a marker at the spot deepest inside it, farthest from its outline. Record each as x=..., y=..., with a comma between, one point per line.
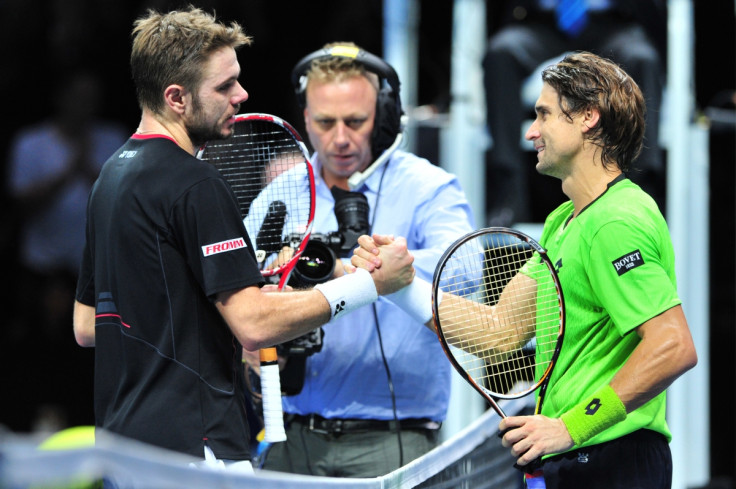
x=627, y=273
x=217, y=247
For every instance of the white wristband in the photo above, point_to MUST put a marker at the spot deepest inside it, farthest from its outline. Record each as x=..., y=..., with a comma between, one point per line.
x=415, y=299
x=348, y=292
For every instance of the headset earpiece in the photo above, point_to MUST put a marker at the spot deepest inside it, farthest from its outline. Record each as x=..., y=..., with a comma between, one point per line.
x=387, y=125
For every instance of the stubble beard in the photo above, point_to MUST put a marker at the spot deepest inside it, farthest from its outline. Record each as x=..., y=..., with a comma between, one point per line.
x=200, y=130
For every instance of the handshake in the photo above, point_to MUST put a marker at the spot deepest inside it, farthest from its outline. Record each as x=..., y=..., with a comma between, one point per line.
x=387, y=259
x=390, y=265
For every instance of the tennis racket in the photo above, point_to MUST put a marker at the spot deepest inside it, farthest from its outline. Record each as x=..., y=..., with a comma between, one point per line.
x=499, y=314
x=267, y=166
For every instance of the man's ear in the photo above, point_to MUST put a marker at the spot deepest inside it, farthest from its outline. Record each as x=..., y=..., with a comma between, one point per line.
x=591, y=118
x=177, y=98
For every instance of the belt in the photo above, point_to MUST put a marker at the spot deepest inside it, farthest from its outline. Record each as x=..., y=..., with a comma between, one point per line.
x=318, y=424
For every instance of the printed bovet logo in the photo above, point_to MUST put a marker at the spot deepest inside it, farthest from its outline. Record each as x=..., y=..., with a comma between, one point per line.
x=628, y=262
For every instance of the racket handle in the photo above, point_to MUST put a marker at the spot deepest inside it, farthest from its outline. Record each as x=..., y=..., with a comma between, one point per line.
x=531, y=467
x=273, y=413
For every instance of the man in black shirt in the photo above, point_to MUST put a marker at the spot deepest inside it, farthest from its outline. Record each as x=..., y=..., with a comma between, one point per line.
x=167, y=316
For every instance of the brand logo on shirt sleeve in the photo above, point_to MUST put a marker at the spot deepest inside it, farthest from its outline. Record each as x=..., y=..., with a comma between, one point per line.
x=628, y=262
x=223, y=246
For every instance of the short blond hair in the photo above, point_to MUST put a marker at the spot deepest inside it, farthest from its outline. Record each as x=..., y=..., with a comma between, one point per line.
x=335, y=69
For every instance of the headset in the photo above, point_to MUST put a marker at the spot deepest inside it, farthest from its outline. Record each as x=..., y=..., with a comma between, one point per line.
x=389, y=123
x=387, y=135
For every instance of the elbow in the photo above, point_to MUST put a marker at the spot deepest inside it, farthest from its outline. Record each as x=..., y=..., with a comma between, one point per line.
x=689, y=358
x=253, y=336
x=251, y=344
x=683, y=354
x=84, y=324
x=84, y=338
x=248, y=318
x=687, y=355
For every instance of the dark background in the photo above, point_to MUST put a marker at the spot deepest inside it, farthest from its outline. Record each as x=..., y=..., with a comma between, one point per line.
x=44, y=38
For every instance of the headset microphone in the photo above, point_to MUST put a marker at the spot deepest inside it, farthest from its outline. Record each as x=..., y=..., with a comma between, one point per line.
x=389, y=122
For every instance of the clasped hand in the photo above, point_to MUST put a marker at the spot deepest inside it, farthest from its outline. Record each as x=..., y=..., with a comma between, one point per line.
x=388, y=260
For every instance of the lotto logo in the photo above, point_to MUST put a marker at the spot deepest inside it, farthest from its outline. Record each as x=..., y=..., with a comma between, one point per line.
x=593, y=407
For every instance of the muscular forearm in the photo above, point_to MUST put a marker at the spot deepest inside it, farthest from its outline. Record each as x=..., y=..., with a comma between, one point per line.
x=665, y=352
x=260, y=320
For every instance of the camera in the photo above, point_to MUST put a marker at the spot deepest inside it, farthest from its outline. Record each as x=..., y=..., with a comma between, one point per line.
x=318, y=259
x=315, y=266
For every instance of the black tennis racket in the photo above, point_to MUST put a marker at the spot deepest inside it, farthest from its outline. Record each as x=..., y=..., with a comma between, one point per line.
x=499, y=314
x=267, y=165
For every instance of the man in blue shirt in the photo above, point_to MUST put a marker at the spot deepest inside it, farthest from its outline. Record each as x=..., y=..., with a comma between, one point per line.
x=382, y=365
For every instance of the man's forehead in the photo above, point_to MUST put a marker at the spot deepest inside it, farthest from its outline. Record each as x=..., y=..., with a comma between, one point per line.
x=548, y=97
x=221, y=66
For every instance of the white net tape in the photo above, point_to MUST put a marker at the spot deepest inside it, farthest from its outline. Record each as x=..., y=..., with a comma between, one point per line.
x=473, y=458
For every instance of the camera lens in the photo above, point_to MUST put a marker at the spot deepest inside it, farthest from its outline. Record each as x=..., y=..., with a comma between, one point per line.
x=351, y=211
x=315, y=265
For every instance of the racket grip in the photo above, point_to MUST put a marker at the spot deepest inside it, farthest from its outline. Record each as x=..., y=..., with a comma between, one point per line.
x=273, y=413
x=531, y=467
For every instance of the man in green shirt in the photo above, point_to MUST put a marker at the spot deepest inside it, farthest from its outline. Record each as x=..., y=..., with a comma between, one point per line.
x=627, y=338
x=603, y=421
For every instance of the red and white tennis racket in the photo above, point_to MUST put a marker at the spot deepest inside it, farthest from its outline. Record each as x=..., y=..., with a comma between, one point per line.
x=499, y=314
x=267, y=165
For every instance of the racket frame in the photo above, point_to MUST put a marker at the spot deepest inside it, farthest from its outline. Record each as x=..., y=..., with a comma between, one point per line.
x=540, y=383
x=270, y=382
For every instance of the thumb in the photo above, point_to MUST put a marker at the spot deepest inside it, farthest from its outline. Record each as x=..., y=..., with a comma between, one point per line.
x=383, y=239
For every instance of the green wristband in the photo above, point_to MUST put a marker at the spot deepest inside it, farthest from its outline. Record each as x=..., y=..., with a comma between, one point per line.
x=594, y=415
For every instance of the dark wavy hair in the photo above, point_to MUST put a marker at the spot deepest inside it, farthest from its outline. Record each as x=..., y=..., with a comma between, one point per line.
x=584, y=80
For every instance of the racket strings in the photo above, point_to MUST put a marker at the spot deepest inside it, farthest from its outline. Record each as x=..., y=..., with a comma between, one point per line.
x=265, y=165
x=502, y=347
x=254, y=156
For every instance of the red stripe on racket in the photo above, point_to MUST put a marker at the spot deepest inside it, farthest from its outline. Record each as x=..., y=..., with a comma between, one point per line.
x=266, y=163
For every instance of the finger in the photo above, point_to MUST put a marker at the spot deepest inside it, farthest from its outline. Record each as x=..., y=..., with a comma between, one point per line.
x=367, y=243
x=383, y=239
x=511, y=422
x=508, y=431
x=400, y=241
x=359, y=261
x=368, y=257
x=526, y=455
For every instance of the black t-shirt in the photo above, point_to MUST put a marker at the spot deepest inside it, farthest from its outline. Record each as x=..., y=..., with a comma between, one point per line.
x=164, y=236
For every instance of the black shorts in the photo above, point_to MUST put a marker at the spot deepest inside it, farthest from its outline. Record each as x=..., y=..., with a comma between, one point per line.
x=640, y=460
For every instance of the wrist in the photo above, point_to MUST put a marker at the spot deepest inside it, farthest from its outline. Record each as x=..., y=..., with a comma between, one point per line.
x=415, y=299
x=594, y=415
x=349, y=292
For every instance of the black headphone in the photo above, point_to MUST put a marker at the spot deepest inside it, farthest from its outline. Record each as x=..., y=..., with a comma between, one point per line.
x=388, y=124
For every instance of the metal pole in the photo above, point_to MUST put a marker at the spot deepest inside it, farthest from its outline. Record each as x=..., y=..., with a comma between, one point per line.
x=687, y=216
x=463, y=145
x=400, y=50
x=462, y=149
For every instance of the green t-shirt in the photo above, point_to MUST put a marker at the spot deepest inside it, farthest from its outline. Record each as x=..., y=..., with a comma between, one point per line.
x=616, y=265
